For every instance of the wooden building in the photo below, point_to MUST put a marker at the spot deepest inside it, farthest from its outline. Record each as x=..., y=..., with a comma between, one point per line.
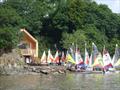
x=29, y=46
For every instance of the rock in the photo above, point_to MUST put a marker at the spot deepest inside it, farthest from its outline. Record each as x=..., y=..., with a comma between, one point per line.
x=56, y=73
x=34, y=69
x=61, y=71
x=25, y=67
x=1, y=70
x=9, y=66
x=37, y=70
x=53, y=70
x=44, y=71
x=15, y=65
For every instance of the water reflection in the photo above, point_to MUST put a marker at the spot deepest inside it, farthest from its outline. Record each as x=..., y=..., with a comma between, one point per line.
x=72, y=81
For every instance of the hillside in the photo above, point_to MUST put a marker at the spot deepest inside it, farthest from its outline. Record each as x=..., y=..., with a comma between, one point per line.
x=58, y=23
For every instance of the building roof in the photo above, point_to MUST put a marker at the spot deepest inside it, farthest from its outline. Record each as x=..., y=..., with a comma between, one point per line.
x=27, y=33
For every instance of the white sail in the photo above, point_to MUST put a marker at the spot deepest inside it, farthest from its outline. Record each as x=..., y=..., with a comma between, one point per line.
x=43, y=58
x=78, y=58
x=116, y=56
x=90, y=61
x=106, y=57
x=86, y=61
x=118, y=63
x=50, y=57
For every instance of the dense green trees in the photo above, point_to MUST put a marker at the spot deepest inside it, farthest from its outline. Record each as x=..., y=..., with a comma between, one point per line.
x=10, y=22
x=95, y=22
x=8, y=39
x=61, y=22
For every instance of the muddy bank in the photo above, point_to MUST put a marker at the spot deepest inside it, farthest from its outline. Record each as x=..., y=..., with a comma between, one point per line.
x=26, y=69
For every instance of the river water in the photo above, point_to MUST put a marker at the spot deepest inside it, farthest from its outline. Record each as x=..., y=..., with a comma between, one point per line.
x=71, y=81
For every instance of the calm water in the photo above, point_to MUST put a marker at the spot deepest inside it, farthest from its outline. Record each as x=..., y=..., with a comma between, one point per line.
x=72, y=81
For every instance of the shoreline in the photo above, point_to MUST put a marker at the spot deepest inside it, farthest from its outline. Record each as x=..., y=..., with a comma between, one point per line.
x=43, y=70
x=32, y=70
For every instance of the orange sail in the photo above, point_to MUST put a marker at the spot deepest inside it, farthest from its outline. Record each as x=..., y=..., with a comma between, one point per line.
x=50, y=58
x=56, y=59
x=44, y=58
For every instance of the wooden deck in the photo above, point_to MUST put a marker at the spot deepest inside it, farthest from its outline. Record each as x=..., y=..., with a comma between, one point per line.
x=28, y=52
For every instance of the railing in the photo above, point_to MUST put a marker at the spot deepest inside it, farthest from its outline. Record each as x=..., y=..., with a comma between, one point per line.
x=29, y=52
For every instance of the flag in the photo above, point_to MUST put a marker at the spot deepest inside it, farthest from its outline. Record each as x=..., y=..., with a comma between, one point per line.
x=70, y=59
x=56, y=59
x=50, y=58
x=116, y=56
x=43, y=58
x=106, y=59
x=99, y=61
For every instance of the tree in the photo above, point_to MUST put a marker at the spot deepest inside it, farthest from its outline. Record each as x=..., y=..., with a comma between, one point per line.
x=61, y=22
x=9, y=17
x=10, y=23
x=8, y=39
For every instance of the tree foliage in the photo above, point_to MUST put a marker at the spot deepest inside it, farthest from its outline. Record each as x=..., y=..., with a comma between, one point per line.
x=8, y=39
x=10, y=21
x=62, y=22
